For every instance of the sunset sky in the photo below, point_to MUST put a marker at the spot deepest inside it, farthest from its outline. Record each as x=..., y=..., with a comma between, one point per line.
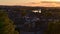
x=24, y=2
x=14, y=2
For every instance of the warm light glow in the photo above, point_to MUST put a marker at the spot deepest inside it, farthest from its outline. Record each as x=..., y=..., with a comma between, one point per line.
x=37, y=11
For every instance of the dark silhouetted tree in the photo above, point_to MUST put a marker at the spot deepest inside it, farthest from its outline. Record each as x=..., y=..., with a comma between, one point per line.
x=6, y=25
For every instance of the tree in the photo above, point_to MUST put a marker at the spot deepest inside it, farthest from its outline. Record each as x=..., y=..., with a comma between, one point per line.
x=53, y=26
x=6, y=25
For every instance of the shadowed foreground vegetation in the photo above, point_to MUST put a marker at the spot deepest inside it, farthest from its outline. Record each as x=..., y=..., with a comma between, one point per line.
x=54, y=25
x=6, y=25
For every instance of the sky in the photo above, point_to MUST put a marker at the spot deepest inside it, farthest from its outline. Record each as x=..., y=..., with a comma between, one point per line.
x=24, y=2
x=14, y=2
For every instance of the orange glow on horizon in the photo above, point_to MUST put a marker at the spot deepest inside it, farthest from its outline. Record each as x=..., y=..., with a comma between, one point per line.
x=43, y=3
